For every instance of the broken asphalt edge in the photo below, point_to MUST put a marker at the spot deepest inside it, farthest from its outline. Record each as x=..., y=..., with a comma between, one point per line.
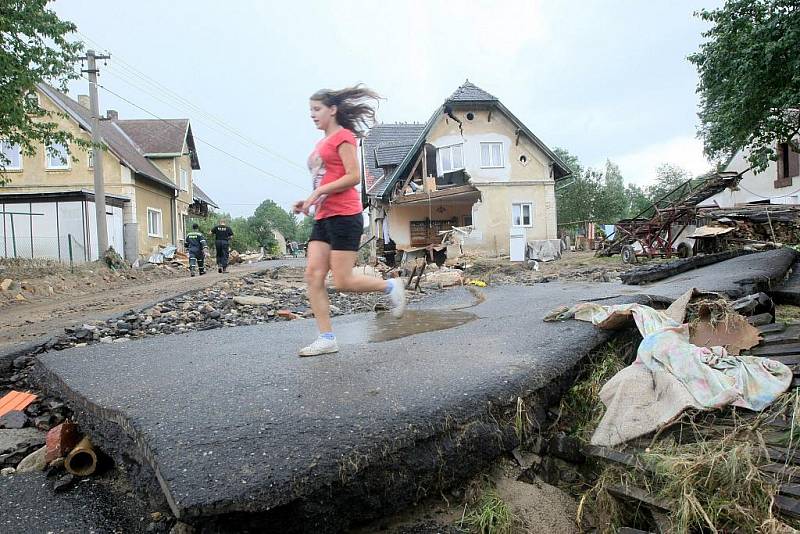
x=436, y=456
x=388, y=476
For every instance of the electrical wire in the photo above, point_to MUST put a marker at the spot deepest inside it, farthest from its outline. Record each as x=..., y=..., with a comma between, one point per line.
x=769, y=198
x=156, y=97
x=130, y=69
x=237, y=158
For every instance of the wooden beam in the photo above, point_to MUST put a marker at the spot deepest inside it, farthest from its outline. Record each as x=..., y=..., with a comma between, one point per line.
x=424, y=164
x=638, y=494
x=411, y=174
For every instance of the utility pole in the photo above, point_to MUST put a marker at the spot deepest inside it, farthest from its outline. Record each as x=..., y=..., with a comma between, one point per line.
x=97, y=154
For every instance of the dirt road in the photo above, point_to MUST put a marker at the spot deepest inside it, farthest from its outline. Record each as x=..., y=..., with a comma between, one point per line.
x=29, y=321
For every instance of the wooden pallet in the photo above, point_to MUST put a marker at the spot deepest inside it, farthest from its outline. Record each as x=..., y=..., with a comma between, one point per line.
x=780, y=343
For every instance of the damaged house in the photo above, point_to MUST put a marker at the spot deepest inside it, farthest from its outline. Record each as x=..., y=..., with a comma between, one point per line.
x=473, y=166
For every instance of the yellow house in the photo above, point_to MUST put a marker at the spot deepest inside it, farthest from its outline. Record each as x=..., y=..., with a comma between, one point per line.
x=48, y=206
x=474, y=165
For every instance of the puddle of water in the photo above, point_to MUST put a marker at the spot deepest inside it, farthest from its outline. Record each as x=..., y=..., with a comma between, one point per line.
x=385, y=327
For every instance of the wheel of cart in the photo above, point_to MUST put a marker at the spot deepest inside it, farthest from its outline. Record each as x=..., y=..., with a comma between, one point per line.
x=628, y=254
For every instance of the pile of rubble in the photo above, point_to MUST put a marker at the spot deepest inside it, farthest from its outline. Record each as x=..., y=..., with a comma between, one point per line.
x=274, y=295
x=758, y=226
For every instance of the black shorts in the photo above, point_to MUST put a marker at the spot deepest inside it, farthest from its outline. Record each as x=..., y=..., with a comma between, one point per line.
x=341, y=232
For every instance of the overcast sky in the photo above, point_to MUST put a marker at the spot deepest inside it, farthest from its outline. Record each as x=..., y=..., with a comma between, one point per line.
x=603, y=79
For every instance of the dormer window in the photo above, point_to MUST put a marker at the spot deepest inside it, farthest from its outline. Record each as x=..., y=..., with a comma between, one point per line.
x=451, y=158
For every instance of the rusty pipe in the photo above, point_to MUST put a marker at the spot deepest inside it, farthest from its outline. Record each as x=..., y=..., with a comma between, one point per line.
x=82, y=460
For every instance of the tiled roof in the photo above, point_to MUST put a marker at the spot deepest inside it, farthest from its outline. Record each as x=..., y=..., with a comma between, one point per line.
x=391, y=154
x=469, y=92
x=157, y=136
x=119, y=143
x=387, y=144
x=200, y=195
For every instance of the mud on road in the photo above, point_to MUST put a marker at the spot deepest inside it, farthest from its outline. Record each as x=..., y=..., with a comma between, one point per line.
x=34, y=318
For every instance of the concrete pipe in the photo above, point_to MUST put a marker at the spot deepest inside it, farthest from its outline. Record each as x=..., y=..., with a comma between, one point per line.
x=82, y=460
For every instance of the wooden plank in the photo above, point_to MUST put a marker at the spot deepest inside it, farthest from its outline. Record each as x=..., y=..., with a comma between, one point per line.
x=623, y=458
x=638, y=494
x=786, y=359
x=771, y=328
x=792, y=490
x=782, y=472
x=780, y=338
x=629, y=530
x=783, y=455
x=663, y=522
x=787, y=506
x=786, y=348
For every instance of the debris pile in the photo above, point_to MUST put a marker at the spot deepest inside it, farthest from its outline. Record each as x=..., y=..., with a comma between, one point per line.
x=274, y=295
x=756, y=227
x=708, y=440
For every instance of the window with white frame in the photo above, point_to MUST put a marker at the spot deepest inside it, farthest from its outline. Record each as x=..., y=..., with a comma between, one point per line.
x=12, y=156
x=57, y=156
x=184, y=180
x=451, y=158
x=492, y=155
x=522, y=214
x=154, y=222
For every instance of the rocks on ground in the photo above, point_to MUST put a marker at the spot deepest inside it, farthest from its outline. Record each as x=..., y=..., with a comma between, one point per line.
x=260, y=298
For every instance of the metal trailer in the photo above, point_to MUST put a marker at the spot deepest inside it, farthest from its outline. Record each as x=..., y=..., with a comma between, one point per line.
x=653, y=230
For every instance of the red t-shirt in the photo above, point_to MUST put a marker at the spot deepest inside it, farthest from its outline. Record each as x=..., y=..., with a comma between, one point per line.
x=326, y=166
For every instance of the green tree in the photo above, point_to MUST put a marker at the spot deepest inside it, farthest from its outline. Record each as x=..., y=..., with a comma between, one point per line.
x=304, y=229
x=33, y=49
x=637, y=198
x=749, y=84
x=611, y=202
x=243, y=237
x=268, y=216
x=668, y=177
x=575, y=195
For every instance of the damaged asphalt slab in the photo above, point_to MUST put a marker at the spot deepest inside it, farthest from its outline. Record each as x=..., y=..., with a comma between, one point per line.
x=231, y=420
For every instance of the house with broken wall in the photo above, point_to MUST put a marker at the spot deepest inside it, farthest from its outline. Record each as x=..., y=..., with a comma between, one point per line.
x=148, y=169
x=472, y=165
x=779, y=183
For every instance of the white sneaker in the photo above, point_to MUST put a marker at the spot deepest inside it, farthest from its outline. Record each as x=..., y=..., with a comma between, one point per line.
x=320, y=345
x=398, y=297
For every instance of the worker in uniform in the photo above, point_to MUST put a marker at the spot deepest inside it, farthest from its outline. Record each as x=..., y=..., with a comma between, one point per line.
x=197, y=247
x=222, y=239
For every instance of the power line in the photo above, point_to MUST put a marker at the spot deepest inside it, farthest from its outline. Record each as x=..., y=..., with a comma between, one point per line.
x=237, y=158
x=172, y=94
x=127, y=81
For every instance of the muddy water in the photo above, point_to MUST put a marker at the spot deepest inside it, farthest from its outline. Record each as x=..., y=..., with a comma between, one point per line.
x=385, y=327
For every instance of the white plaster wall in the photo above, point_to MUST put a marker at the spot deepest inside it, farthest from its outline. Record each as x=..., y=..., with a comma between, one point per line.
x=755, y=187
x=472, y=154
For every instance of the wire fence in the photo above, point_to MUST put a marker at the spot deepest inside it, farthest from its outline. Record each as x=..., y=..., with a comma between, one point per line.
x=66, y=248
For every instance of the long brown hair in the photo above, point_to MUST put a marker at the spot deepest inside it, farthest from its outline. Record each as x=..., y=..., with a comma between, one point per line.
x=353, y=106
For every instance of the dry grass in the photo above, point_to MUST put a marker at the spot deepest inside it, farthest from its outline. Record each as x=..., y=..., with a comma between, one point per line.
x=712, y=479
x=787, y=313
x=581, y=407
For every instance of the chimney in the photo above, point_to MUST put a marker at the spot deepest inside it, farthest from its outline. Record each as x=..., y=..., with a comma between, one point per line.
x=112, y=114
x=83, y=100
